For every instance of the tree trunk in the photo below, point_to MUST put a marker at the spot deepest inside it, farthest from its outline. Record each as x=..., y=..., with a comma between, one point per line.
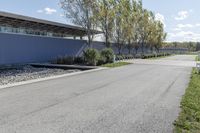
x=142, y=48
x=136, y=51
x=119, y=47
x=129, y=46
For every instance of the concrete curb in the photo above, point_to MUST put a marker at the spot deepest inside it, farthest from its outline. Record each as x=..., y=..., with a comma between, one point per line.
x=49, y=78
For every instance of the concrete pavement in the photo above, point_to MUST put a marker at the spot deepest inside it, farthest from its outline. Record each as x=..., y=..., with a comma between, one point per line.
x=139, y=98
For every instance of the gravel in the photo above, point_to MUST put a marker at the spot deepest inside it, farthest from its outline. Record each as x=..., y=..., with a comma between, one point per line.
x=27, y=72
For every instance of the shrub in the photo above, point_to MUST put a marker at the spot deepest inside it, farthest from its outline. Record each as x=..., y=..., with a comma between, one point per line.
x=129, y=56
x=91, y=56
x=69, y=60
x=101, y=61
x=79, y=60
x=107, y=55
x=119, y=57
x=138, y=56
x=59, y=60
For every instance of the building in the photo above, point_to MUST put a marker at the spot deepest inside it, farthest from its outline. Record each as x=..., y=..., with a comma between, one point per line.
x=25, y=39
x=12, y=23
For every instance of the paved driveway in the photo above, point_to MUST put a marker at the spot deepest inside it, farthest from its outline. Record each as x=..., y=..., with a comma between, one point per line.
x=178, y=60
x=138, y=98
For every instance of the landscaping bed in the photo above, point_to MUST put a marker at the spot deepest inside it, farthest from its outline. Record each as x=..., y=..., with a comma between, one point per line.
x=26, y=72
x=189, y=118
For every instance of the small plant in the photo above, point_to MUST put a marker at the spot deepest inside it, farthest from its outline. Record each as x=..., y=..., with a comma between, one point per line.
x=91, y=56
x=119, y=57
x=129, y=56
x=59, y=60
x=107, y=55
x=69, y=60
x=79, y=60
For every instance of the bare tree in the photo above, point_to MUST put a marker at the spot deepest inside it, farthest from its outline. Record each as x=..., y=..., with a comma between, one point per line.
x=81, y=12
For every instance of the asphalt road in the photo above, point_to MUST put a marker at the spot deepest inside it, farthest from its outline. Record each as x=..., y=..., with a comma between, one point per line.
x=139, y=98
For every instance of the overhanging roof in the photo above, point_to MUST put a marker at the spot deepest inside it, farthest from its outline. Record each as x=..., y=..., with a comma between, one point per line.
x=17, y=21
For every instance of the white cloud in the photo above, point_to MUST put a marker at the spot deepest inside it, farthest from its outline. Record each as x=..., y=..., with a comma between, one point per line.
x=181, y=34
x=184, y=36
x=197, y=25
x=177, y=29
x=40, y=11
x=185, y=26
x=160, y=17
x=182, y=15
x=180, y=27
x=62, y=15
x=47, y=10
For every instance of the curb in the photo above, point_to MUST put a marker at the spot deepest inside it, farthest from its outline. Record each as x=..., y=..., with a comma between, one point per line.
x=49, y=78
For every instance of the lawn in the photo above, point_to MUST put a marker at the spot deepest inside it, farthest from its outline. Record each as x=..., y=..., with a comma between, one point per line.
x=189, y=118
x=197, y=58
x=116, y=64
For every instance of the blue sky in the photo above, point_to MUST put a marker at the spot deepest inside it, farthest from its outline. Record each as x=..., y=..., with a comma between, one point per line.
x=181, y=17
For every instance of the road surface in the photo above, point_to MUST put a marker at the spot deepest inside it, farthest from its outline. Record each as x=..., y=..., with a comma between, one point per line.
x=139, y=98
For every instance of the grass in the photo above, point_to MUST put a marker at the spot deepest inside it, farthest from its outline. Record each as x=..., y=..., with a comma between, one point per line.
x=197, y=58
x=116, y=64
x=189, y=118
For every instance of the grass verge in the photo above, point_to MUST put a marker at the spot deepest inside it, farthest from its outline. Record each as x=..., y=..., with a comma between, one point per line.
x=189, y=118
x=116, y=64
x=197, y=58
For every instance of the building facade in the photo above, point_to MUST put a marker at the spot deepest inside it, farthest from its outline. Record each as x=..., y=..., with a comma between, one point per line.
x=18, y=24
x=25, y=39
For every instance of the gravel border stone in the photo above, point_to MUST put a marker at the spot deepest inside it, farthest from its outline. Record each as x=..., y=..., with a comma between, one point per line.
x=20, y=73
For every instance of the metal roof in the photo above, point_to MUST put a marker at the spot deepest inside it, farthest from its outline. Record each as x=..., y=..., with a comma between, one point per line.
x=17, y=21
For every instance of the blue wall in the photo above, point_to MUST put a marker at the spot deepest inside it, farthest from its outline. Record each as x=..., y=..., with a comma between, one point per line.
x=15, y=48
x=25, y=49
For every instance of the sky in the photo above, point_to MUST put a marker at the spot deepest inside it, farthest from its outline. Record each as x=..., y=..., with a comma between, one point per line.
x=180, y=17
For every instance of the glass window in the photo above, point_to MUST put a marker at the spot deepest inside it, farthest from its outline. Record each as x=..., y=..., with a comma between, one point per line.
x=21, y=30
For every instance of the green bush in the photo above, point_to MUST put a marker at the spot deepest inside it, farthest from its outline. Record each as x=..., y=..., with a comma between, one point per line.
x=129, y=56
x=122, y=57
x=91, y=56
x=101, y=61
x=119, y=57
x=107, y=55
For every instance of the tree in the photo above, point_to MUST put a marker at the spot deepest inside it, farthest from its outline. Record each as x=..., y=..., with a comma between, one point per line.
x=130, y=25
x=105, y=17
x=143, y=28
x=161, y=35
x=119, y=34
x=81, y=12
x=136, y=18
x=124, y=22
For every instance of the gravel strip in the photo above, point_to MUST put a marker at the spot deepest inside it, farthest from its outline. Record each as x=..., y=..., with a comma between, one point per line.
x=27, y=72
